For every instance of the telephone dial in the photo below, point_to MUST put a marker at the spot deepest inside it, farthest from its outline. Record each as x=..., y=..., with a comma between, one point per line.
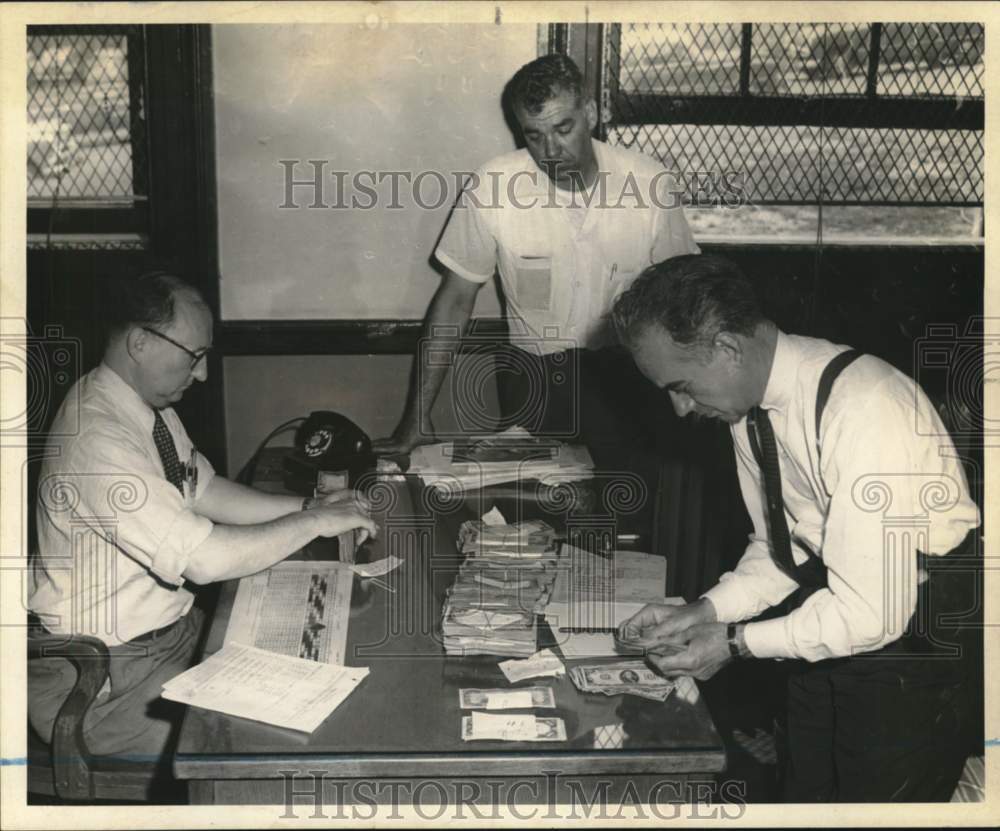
x=331, y=442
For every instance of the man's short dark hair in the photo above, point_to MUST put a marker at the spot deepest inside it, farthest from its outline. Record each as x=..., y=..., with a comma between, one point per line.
x=147, y=300
x=538, y=82
x=693, y=297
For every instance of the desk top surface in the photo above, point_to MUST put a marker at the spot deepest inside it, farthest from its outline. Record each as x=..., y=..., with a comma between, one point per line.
x=404, y=718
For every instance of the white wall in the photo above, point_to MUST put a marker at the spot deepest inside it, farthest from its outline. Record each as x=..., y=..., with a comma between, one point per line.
x=403, y=98
x=407, y=97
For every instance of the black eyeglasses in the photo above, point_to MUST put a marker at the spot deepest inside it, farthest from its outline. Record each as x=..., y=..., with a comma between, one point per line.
x=195, y=356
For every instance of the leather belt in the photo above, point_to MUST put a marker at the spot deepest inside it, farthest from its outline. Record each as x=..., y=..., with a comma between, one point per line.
x=156, y=633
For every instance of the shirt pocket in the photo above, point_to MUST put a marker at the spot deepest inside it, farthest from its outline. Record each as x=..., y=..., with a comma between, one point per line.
x=533, y=283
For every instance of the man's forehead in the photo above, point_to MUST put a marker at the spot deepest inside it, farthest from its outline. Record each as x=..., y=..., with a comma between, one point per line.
x=556, y=109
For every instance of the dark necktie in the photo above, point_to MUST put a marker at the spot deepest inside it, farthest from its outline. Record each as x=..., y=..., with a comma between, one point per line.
x=168, y=452
x=766, y=453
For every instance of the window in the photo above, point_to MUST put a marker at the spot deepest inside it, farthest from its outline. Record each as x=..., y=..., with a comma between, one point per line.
x=852, y=130
x=87, y=146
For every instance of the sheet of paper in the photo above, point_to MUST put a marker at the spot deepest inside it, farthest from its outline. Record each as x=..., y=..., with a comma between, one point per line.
x=544, y=663
x=599, y=592
x=586, y=645
x=378, y=568
x=252, y=683
x=494, y=517
x=295, y=608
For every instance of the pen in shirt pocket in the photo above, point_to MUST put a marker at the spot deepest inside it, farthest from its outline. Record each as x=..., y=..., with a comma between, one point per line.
x=614, y=271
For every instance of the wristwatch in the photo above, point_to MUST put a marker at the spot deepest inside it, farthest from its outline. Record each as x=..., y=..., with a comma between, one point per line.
x=737, y=643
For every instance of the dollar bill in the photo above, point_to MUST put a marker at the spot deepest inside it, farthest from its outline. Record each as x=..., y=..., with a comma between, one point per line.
x=473, y=699
x=626, y=677
x=513, y=728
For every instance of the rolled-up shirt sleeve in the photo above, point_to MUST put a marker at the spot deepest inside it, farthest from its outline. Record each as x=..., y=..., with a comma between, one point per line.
x=671, y=234
x=124, y=497
x=467, y=247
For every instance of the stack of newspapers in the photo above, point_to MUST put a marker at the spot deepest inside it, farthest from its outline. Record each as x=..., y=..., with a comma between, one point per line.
x=512, y=456
x=505, y=581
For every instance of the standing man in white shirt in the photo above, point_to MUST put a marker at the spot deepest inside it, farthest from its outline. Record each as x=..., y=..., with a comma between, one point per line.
x=850, y=507
x=568, y=223
x=129, y=512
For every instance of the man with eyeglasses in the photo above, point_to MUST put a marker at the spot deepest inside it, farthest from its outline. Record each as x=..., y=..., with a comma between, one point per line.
x=129, y=512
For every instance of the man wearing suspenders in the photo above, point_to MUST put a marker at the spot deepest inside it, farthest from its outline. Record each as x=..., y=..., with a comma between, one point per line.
x=861, y=511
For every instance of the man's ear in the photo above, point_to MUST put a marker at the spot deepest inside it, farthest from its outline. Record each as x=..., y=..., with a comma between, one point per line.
x=590, y=108
x=136, y=342
x=731, y=346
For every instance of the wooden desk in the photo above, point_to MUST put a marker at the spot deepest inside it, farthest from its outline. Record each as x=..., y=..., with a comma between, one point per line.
x=403, y=722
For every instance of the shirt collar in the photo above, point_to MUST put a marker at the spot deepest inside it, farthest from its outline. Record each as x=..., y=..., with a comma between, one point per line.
x=126, y=400
x=781, y=378
x=539, y=184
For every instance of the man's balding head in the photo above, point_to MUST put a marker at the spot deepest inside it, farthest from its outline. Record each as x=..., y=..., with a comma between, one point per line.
x=159, y=330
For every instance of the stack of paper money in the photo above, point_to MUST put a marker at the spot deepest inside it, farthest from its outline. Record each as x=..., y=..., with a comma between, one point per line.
x=621, y=678
x=505, y=581
x=470, y=630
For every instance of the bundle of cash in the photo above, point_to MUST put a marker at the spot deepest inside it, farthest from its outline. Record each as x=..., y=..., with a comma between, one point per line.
x=522, y=540
x=505, y=581
x=478, y=630
x=523, y=698
x=621, y=678
x=513, y=727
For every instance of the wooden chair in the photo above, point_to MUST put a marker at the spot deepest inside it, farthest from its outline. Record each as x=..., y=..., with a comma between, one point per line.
x=66, y=769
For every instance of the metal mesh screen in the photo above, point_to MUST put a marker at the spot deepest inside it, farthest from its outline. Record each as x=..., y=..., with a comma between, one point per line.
x=723, y=102
x=86, y=125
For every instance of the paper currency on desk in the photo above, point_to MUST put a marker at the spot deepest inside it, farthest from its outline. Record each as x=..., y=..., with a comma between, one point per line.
x=542, y=664
x=522, y=699
x=625, y=677
x=512, y=728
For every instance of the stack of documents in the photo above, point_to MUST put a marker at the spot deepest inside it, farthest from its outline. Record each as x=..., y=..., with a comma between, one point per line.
x=511, y=456
x=506, y=579
x=263, y=686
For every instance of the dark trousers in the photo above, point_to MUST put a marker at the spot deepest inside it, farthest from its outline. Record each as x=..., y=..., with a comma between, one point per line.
x=894, y=725
x=130, y=720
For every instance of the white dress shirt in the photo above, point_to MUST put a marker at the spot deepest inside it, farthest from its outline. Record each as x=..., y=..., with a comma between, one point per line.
x=114, y=535
x=888, y=484
x=564, y=258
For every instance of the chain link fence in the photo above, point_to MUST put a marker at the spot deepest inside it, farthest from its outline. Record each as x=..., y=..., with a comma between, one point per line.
x=845, y=114
x=86, y=119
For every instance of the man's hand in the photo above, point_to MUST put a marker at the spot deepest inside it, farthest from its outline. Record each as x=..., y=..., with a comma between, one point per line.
x=331, y=521
x=346, y=497
x=659, y=624
x=707, y=652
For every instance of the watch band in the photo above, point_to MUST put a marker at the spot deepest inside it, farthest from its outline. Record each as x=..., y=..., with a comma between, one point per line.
x=734, y=647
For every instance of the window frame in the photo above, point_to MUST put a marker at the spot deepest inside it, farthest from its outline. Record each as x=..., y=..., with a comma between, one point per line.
x=100, y=222
x=597, y=49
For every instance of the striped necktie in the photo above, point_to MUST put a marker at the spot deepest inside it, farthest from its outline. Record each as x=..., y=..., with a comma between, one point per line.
x=765, y=450
x=168, y=452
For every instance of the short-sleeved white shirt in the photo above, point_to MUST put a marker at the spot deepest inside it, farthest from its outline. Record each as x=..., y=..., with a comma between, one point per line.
x=560, y=277
x=114, y=534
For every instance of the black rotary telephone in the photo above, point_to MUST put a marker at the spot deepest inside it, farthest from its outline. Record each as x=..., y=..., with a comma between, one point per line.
x=331, y=442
